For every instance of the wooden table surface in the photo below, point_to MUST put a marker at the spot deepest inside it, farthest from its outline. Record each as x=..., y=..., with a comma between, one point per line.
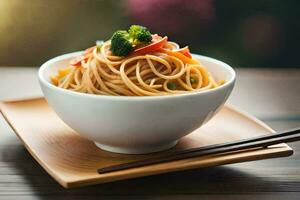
x=272, y=95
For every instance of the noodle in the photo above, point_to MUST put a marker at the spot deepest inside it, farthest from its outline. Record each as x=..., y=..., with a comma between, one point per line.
x=152, y=74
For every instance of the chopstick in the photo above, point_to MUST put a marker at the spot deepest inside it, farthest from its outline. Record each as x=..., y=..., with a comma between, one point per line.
x=255, y=142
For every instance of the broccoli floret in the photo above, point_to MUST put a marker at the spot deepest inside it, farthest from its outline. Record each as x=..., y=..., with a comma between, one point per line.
x=121, y=44
x=140, y=33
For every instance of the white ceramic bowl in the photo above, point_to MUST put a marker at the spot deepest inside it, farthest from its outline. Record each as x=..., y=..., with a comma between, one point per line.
x=135, y=125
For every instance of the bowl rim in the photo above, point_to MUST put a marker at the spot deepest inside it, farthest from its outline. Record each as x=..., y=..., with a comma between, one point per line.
x=46, y=83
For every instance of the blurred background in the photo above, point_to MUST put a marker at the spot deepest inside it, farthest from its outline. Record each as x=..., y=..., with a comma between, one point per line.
x=254, y=33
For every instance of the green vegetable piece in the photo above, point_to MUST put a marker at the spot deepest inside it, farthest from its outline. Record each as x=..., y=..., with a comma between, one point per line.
x=99, y=44
x=120, y=43
x=172, y=86
x=123, y=42
x=193, y=80
x=140, y=33
x=62, y=79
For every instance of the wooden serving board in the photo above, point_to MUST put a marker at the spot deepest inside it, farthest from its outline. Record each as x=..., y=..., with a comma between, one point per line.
x=73, y=161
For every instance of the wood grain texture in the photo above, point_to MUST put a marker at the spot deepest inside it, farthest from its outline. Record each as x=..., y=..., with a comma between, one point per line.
x=21, y=177
x=73, y=161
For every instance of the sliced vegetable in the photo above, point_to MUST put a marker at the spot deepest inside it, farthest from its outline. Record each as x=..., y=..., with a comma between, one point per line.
x=99, y=44
x=172, y=86
x=193, y=80
x=180, y=56
x=185, y=51
x=156, y=45
x=63, y=72
x=54, y=80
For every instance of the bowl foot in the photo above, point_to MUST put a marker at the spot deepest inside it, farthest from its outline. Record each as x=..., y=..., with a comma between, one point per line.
x=143, y=150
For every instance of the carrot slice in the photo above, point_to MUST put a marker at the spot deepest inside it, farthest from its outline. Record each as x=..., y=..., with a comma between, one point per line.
x=63, y=72
x=156, y=45
x=54, y=80
x=185, y=51
x=180, y=56
x=77, y=60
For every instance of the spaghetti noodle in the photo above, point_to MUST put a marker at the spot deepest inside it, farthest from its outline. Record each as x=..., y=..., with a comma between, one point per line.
x=163, y=71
